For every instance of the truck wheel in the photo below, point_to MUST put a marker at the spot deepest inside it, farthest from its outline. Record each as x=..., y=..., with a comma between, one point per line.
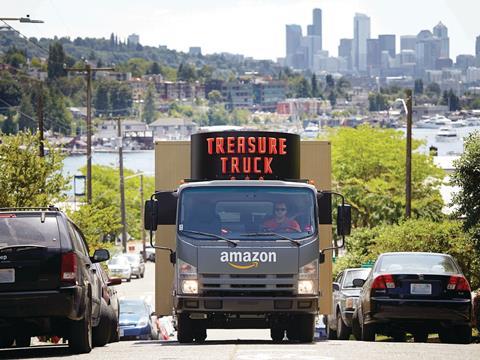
x=200, y=333
x=292, y=333
x=101, y=332
x=277, y=334
x=420, y=336
x=22, y=341
x=343, y=331
x=368, y=332
x=6, y=341
x=462, y=334
x=184, y=329
x=306, y=329
x=80, y=337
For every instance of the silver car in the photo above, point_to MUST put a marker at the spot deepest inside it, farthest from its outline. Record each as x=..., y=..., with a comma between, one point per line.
x=136, y=264
x=345, y=297
x=119, y=266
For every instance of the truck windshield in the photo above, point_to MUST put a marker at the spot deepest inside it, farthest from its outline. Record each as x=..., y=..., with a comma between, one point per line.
x=238, y=212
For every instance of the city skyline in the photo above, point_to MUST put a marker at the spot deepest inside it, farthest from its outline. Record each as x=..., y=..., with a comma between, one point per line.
x=245, y=26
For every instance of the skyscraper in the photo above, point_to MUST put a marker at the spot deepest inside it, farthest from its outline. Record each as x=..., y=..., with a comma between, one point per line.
x=345, y=50
x=427, y=50
x=408, y=42
x=317, y=26
x=441, y=32
x=361, y=32
x=294, y=41
x=373, y=54
x=388, y=43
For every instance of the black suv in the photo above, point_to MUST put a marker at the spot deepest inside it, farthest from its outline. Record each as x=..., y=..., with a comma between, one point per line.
x=48, y=285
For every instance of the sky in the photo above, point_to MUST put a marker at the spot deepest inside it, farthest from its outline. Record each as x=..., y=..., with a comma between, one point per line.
x=250, y=27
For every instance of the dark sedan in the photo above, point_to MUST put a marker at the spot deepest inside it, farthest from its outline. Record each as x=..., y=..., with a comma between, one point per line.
x=345, y=297
x=419, y=293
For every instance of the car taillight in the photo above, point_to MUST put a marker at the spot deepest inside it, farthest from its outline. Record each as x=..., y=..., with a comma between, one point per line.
x=383, y=282
x=69, y=268
x=458, y=283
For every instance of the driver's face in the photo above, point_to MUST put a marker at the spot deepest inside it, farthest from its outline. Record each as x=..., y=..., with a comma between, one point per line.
x=280, y=211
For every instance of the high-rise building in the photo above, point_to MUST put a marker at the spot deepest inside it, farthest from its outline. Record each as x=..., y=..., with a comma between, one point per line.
x=294, y=41
x=361, y=32
x=388, y=43
x=345, y=50
x=317, y=26
x=477, y=47
x=408, y=42
x=463, y=61
x=441, y=32
x=427, y=50
x=373, y=53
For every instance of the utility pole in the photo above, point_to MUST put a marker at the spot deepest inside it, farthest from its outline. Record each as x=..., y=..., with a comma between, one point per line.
x=40, y=119
x=122, y=186
x=408, y=165
x=89, y=70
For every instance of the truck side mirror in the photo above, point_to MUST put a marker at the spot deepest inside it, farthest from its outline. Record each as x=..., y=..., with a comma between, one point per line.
x=150, y=215
x=167, y=207
x=344, y=220
x=324, y=202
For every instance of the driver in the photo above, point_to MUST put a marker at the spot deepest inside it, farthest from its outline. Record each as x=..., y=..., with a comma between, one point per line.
x=281, y=221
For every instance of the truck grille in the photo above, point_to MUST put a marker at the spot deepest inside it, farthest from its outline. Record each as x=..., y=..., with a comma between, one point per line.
x=248, y=284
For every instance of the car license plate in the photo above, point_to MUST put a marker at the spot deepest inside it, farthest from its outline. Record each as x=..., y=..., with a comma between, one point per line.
x=122, y=332
x=421, y=289
x=7, y=276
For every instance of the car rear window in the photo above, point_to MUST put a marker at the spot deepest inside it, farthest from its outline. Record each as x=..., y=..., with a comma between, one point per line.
x=416, y=263
x=29, y=230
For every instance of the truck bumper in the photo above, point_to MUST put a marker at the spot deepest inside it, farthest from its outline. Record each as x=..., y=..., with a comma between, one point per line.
x=246, y=305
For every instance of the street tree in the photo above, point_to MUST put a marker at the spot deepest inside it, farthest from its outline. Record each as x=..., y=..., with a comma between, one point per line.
x=9, y=126
x=56, y=61
x=369, y=169
x=10, y=92
x=149, y=110
x=467, y=177
x=27, y=179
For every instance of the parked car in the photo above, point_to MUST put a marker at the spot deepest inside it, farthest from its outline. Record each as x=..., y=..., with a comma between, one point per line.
x=345, y=297
x=137, y=265
x=47, y=280
x=136, y=320
x=419, y=293
x=111, y=311
x=119, y=266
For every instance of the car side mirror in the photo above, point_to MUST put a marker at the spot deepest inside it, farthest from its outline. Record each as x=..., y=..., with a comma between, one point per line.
x=336, y=286
x=344, y=220
x=114, y=281
x=100, y=255
x=358, y=282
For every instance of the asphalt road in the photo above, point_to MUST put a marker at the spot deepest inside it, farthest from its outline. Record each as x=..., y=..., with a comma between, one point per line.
x=246, y=344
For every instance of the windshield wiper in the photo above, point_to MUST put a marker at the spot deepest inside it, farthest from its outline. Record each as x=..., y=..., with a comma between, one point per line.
x=296, y=242
x=217, y=237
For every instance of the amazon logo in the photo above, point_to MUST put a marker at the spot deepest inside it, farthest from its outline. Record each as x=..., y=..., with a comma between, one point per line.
x=244, y=260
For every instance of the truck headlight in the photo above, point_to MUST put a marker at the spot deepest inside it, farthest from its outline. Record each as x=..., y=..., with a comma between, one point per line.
x=190, y=286
x=308, y=271
x=306, y=287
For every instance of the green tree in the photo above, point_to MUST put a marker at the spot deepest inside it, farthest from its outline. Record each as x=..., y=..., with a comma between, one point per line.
x=10, y=92
x=26, y=119
x=315, y=90
x=57, y=118
x=377, y=102
x=467, y=177
x=155, y=69
x=15, y=57
x=369, y=169
x=149, y=110
x=304, y=89
x=101, y=220
x=330, y=82
x=101, y=101
x=9, y=126
x=56, y=61
x=27, y=179
x=217, y=115
x=240, y=116
x=214, y=97
x=433, y=89
x=418, y=88
x=186, y=72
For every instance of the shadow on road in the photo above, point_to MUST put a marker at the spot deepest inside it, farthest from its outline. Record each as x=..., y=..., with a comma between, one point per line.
x=35, y=352
x=220, y=343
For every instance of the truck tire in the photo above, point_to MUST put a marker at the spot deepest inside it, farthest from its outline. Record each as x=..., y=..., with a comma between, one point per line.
x=368, y=332
x=462, y=334
x=184, y=329
x=6, y=341
x=306, y=329
x=277, y=334
x=80, y=337
x=199, y=332
x=343, y=331
x=101, y=332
